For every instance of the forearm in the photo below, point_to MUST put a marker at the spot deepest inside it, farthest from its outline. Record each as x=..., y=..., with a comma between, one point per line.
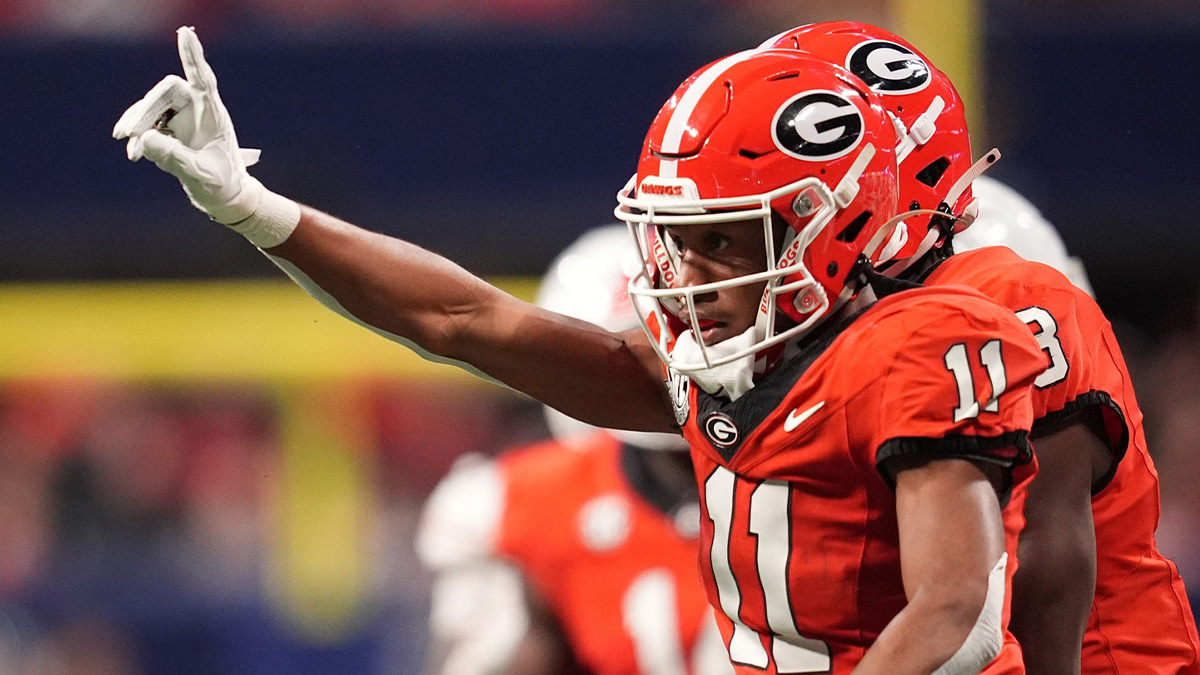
x=1055, y=584
x=446, y=314
x=387, y=283
x=938, y=623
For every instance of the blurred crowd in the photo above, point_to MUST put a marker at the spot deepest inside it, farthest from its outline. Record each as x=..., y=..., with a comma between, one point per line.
x=126, y=18
x=142, y=526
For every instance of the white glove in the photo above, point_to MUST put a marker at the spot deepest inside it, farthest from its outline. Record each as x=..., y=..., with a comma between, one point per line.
x=183, y=127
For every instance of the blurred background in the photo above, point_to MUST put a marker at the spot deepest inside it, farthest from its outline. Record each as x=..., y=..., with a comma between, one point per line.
x=202, y=471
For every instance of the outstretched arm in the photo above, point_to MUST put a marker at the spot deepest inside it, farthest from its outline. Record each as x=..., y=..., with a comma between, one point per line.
x=603, y=378
x=393, y=287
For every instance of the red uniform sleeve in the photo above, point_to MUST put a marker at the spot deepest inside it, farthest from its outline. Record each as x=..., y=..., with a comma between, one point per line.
x=1086, y=367
x=959, y=385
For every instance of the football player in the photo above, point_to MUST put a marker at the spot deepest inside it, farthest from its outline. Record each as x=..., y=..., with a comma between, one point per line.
x=851, y=452
x=1090, y=573
x=576, y=553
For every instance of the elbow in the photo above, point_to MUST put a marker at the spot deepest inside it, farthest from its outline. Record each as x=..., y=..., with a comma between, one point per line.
x=1052, y=598
x=1058, y=570
x=978, y=635
x=441, y=338
x=1040, y=589
x=454, y=332
x=966, y=613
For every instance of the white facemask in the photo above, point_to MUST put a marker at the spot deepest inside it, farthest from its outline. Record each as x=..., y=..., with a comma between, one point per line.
x=731, y=379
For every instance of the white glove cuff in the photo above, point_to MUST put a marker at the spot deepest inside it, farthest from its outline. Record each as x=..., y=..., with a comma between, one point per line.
x=273, y=220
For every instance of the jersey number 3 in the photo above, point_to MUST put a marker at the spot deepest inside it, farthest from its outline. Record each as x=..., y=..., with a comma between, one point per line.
x=770, y=523
x=1045, y=330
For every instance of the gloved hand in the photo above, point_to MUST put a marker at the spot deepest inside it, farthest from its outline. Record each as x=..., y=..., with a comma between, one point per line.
x=183, y=127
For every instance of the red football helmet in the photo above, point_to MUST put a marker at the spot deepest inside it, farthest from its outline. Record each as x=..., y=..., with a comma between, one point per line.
x=934, y=153
x=775, y=135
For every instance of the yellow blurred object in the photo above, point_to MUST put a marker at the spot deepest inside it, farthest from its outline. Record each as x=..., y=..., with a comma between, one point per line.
x=324, y=511
x=951, y=34
x=195, y=331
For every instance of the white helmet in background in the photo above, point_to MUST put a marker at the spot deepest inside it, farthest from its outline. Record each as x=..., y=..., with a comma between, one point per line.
x=589, y=280
x=1008, y=219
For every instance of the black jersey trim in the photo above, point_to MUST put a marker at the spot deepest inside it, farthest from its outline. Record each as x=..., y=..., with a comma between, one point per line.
x=1064, y=417
x=914, y=449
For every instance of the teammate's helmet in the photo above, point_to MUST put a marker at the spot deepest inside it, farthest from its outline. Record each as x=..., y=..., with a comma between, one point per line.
x=934, y=149
x=771, y=135
x=589, y=280
x=1008, y=219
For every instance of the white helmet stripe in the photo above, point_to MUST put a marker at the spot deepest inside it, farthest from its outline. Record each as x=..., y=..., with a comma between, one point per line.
x=682, y=115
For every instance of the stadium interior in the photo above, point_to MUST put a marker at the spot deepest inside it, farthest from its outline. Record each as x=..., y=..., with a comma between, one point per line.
x=203, y=471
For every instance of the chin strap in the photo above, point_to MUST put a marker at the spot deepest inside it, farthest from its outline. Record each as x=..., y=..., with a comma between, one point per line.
x=847, y=189
x=943, y=221
x=921, y=131
x=732, y=379
x=970, y=211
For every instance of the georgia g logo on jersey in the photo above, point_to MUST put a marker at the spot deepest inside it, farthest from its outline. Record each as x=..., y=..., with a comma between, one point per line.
x=888, y=68
x=817, y=126
x=721, y=430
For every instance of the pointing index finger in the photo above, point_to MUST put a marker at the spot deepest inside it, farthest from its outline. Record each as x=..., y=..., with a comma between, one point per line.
x=191, y=55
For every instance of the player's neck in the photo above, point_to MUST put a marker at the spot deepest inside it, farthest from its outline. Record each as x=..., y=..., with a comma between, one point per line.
x=864, y=298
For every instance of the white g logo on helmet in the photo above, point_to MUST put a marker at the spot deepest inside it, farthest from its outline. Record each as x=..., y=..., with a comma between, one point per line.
x=888, y=68
x=817, y=126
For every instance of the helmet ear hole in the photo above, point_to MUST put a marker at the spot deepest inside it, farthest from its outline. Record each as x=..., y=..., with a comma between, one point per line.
x=850, y=232
x=932, y=173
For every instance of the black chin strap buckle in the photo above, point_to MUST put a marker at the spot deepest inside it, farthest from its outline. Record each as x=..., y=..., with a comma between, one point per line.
x=882, y=284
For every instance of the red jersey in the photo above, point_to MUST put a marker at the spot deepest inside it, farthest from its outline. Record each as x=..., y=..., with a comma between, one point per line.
x=618, y=572
x=1140, y=621
x=799, y=539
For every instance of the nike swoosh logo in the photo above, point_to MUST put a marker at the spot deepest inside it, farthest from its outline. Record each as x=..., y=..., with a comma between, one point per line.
x=796, y=418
